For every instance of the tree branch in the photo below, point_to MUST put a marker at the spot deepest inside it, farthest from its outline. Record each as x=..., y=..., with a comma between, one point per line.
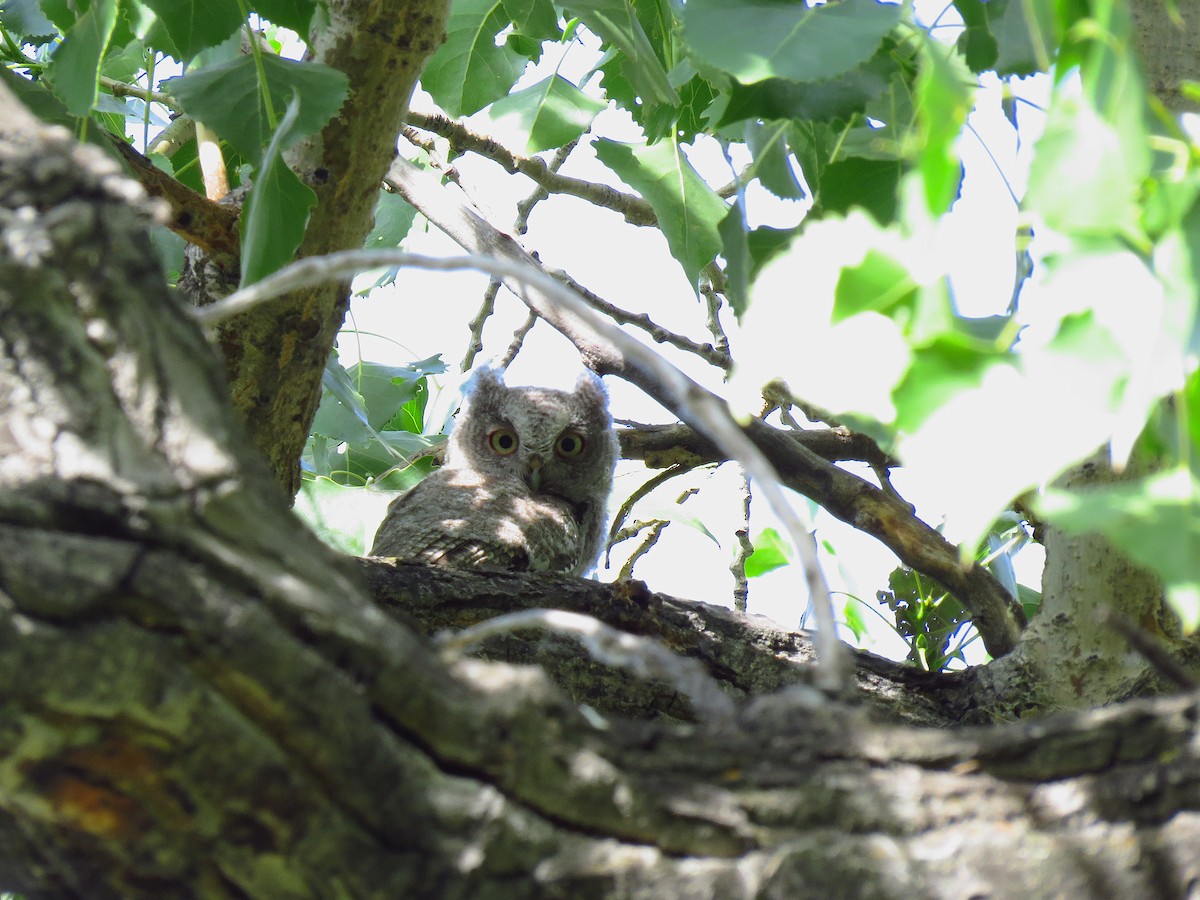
x=201, y=222
x=634, y=209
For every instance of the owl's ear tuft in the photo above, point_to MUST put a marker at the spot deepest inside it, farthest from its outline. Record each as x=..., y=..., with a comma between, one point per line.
x=590, y=388
x=488, y=378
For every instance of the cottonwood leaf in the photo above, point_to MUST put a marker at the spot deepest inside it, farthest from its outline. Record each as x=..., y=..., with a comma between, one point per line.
x=227, y=98
x=757, y=39
x=688, y=210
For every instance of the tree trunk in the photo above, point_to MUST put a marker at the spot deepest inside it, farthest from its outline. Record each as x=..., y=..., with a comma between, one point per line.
x=202, y=700
x=275, y=357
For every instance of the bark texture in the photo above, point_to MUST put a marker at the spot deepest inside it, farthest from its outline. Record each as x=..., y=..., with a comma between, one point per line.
x=1167, y=36
x=201, y=700
x=276, y=356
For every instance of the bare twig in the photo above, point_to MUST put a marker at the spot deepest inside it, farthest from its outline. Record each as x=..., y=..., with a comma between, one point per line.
x=519, y=339
x=644, y=657
x=486, y=308
x=635, y=210
x=641, y=491
x=654, y=531
x=713, y=321
x=124, y=89
x=741, y=584
x=707, y=352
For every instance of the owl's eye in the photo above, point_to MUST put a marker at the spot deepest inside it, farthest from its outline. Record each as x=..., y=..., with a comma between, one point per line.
x=503, y=441
x=569, y=444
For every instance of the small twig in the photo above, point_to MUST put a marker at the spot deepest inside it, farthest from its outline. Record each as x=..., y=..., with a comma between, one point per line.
x=486, y=308
x=520, y=226
x=1150, y=648
x=885, y=481
x=741, y=584
x=660, y=335
x=124, y=89
x=644, y=657
x=713, y=322
x=655, y=529
x=334, y=266
x=519, y=339
x=525, y=207
x=641, y=491
x=635, y=210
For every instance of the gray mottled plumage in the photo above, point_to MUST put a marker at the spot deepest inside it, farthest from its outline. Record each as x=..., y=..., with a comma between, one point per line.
x=524, y=486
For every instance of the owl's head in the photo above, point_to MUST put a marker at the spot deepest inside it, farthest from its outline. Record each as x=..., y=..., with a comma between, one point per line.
x=559, y=443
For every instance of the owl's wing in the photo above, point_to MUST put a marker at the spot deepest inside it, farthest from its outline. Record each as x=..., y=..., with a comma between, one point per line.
x=461, y=521
x=472, y=553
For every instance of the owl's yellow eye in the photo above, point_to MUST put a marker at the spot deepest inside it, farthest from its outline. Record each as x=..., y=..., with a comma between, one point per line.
x=569, y=444
x=503, y=441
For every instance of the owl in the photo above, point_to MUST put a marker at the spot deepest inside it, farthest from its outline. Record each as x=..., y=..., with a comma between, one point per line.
x=524, y=487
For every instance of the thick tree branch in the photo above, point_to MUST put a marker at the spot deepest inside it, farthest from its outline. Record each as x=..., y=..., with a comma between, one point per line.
x=208, y=225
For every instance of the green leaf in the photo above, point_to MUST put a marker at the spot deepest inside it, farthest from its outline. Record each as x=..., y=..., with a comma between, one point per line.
x=549, y=114
x=736, y=250
x=536, y=19
x=74, y=70
x=879, y=283
x=767, y=142
x=194, y=25
x=689, y=211
x=755, y=40
x=834, y=99
x=977, y=43
x=1155, y=520
x=227, y=98
x=853, y=617
x=26, y=21
x=1024, y=46
x=944, y=99
x=771, y=552
x=294, y=14
x=336, y=513
x=1091, y=163
x=469, y=71
x=617, y=23
x=697, y=97
x=386, y=390
x=394, y=217
x=277, y=208
x=62, y=13
x=940, y=370
x=869, y=183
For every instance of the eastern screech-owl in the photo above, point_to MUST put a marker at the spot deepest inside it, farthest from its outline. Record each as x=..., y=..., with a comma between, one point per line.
x=527, y=475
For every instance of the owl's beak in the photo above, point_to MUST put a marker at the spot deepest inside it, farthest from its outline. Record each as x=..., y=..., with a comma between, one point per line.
x=533, y=472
